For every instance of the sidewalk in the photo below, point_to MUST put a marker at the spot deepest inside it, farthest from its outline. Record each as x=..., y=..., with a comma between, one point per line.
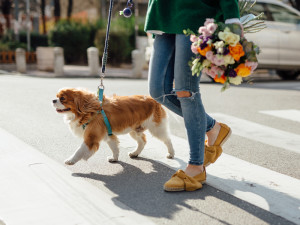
x=36, y=190
x=73, y=71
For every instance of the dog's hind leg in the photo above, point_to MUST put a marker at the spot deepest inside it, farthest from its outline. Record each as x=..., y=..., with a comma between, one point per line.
x=161, y=132
x=113, y=143
x=140, y=137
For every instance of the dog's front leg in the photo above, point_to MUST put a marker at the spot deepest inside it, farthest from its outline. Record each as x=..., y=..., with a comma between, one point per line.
x=113, y=143
x=83, y=152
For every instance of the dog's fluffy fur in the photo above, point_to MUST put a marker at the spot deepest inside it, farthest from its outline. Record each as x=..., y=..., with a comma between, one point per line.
x=126, y=114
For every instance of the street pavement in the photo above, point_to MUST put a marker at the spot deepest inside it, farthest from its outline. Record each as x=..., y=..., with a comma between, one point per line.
x=255, y=181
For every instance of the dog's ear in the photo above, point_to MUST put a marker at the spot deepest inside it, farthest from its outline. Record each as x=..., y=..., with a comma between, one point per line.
x=79, y=102
x=86, y=102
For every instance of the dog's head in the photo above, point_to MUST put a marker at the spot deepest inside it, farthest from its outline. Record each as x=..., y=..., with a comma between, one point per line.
x=80, y=102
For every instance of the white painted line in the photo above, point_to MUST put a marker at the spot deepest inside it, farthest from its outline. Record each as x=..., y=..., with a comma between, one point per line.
x=264, y=188
x=289, y=114
x=37, y=190
x=261, y=133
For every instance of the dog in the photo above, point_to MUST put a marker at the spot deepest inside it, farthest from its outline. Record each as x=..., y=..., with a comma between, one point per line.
x=126, y=114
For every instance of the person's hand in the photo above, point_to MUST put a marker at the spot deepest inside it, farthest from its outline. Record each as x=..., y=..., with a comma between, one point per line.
x=242, y=29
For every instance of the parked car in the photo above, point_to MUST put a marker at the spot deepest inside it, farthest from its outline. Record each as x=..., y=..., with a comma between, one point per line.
x=280, y=41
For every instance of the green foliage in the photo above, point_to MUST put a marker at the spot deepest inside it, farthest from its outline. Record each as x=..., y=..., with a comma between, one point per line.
x=11, y=45
x=36, y=39
x=74, y=37
x=188, y=32
x=8, y=42
x=121, y=40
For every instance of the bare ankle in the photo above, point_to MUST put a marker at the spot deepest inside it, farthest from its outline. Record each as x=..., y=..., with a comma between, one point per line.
x=193, y=170
x=213, y=134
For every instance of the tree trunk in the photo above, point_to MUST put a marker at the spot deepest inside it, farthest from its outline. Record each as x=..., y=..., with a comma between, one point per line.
x=6, y=7
x=70, y=8
x=43, y=5
x=56, y=10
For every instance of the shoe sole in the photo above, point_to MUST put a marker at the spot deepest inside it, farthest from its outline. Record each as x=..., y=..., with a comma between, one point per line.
x=226, y=137
x=179, y=189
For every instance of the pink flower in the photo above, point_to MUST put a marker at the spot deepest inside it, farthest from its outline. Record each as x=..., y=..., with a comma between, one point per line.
x=217, y=61
x=208, y=21
x=203, y=31
x=209, y=55
x=217, y=71
x=194, y=49
x=211, y=28
x=209, y=72
x=193, y=38
x=252, y=65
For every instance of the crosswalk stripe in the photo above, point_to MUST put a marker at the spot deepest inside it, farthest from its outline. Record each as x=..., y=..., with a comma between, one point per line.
x=264, y=188
x=289, y=114
x=261, y=133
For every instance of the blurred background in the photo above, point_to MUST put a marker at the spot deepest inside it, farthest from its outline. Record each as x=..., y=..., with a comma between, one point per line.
x=77, y=25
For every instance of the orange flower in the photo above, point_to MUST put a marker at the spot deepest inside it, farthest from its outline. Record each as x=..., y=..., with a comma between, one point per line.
x=221, y=79
x=243, y=70
x=237, y=51
x=203, y=51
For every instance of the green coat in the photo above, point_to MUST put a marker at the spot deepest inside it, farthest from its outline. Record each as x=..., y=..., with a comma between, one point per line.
x=173, y=16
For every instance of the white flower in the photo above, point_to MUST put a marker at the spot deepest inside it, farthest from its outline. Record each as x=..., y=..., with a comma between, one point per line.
x=235, y=80
x=228, y=59
x=219, y=44
x=206, y=63
x=228, y=37
x=220, y=50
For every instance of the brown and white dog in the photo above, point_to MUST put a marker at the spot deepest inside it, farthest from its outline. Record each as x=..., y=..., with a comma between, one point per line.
x=126, y=114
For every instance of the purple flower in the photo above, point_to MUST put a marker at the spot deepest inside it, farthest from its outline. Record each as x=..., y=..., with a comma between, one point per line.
x=203, y=45
x=232, y=73
x=206, y=39
x=225, y=51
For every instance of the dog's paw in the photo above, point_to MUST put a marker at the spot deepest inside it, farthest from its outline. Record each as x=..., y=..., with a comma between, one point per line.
x=170, y=156
x=69, y=162
x=111, y=159
x=133, y=155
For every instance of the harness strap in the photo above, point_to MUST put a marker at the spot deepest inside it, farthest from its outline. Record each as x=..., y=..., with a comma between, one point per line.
x=106, y=121
x=109, y=131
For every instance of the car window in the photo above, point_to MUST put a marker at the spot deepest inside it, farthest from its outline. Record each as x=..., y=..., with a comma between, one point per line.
x=282, y=14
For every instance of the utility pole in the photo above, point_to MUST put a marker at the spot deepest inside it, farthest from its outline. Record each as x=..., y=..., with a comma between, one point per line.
x=136, y=25
x=28, y=24
x=17, y=19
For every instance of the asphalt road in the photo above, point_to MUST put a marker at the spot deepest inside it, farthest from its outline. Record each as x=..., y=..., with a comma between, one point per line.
x=27, y=112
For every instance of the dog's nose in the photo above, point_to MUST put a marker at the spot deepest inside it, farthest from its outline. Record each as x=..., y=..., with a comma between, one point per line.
x=54, y=101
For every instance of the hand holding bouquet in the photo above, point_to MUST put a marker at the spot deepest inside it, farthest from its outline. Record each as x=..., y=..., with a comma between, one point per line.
x=222, y=53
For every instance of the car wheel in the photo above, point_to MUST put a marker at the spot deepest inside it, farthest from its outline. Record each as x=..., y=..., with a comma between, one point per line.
x=288, y=75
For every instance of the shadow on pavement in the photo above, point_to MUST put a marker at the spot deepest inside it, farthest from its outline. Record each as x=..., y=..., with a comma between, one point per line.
x=143, y=193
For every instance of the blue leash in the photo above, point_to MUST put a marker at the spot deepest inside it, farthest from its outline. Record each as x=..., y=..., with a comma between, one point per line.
x=128, y=13
x=104, y=61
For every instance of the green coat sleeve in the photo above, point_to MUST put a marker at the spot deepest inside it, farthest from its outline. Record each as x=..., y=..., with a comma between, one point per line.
x=230, y=9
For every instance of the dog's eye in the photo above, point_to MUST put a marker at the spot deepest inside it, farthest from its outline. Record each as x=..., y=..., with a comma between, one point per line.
x=61, y=99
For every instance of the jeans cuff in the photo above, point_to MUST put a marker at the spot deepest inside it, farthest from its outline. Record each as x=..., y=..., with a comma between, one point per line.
x=196, y=163
x=211, y=127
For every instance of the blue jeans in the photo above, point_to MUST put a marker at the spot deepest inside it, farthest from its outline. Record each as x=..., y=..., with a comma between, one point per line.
x=168, y=65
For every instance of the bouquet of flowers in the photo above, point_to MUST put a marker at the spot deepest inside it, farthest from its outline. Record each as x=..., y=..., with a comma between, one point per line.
x=222, y=54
